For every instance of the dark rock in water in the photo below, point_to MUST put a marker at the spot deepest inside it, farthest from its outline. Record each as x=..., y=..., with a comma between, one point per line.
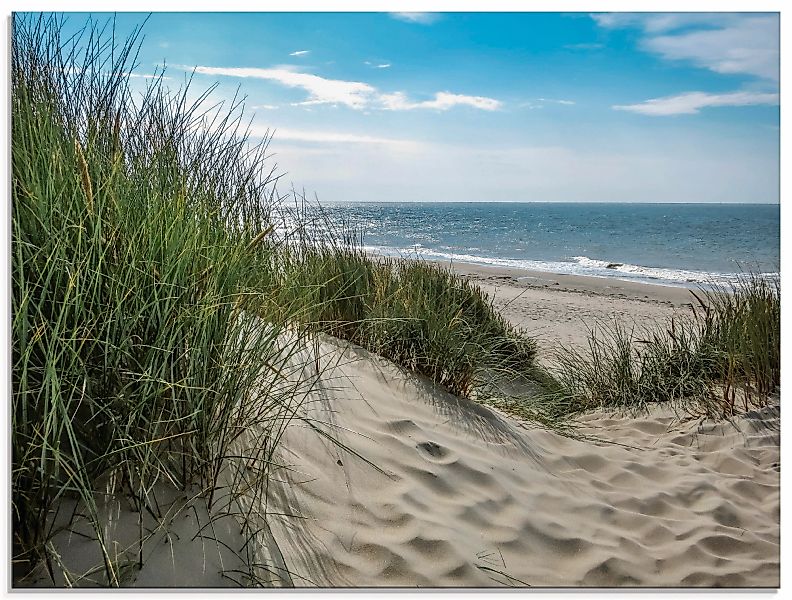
x=614, y=265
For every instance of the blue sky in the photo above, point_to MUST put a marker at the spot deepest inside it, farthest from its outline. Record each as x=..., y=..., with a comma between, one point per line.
x=668, y=107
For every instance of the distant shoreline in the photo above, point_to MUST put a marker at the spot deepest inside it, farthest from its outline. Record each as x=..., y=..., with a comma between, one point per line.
x=560, y=310
x=606, y=286
x=596, y=283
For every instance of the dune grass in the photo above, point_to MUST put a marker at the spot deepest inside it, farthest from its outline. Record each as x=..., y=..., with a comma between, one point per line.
x=143, y=242
x=723, y=357
x=421, y=315
x=742, y=327
x=135, y=229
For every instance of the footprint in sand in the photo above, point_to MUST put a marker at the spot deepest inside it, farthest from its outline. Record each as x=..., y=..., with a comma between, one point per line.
x=433, y=452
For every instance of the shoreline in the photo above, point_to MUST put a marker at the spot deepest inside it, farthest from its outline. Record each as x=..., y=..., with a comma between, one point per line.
x=560, y=310
x=687, y=278
x=679, y=296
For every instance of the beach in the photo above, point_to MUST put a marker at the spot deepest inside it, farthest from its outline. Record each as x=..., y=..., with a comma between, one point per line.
x=559, y=309
x=458, y=494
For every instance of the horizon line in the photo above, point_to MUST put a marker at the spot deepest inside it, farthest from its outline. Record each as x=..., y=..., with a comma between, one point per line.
x=541, y=202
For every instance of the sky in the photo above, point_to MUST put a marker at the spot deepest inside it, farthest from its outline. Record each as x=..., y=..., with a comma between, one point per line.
x=570, y=107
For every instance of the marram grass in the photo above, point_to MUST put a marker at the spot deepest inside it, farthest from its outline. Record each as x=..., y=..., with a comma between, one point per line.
x=420, y=315
x=721, y=358
x=136, y=224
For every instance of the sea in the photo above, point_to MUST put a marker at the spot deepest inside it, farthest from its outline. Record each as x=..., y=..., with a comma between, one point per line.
x=669, y=244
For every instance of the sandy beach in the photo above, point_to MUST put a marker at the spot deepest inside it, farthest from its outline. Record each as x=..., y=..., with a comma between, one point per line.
x=558, y=309
x=465, y=496
x=432, y=490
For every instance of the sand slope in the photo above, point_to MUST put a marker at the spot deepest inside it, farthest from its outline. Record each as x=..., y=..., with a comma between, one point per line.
x=462, y=496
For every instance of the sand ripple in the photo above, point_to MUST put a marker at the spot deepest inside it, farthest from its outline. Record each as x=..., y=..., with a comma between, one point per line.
x=465, y=497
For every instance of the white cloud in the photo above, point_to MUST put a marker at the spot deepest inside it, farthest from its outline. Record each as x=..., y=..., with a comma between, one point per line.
x=382, y=66
x=750, y=46
x=424, y=18
x=728, y=43
x=265, y=107
x=536, y=104
x=336, y=137
x=442, y=101
x=299, y=53
x=354, y=94
x=125, y=74
x=662, y=22
x=691, y=103
x=289, y=67
x=146, y=76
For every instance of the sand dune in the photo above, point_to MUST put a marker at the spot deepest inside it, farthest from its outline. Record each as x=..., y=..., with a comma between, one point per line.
x=433, y=490
x=458, y=495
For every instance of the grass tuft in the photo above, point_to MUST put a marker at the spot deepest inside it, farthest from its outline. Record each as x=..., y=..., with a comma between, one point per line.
x=722, y=357
x=420, y=315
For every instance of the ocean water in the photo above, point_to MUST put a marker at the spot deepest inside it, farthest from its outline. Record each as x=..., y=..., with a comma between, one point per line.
x=678, y=244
